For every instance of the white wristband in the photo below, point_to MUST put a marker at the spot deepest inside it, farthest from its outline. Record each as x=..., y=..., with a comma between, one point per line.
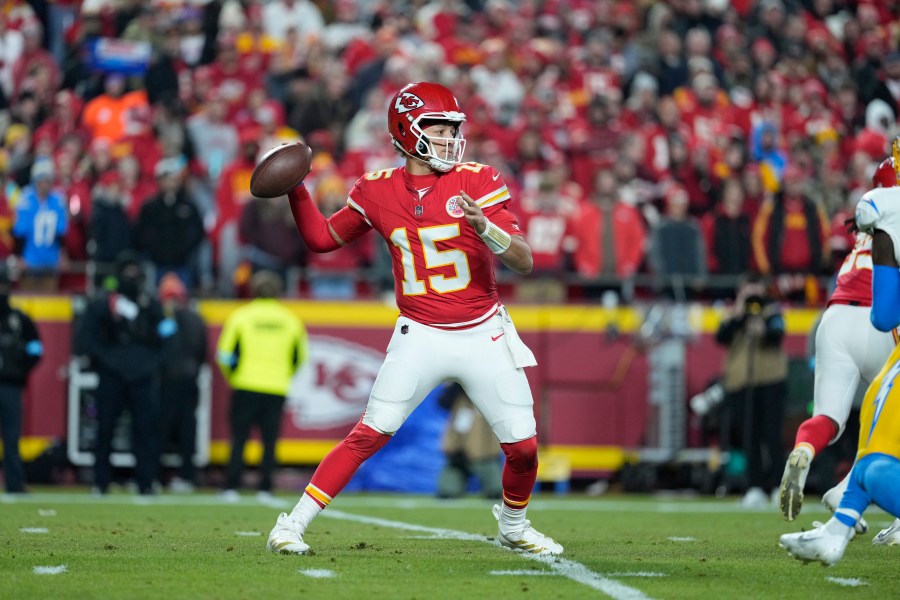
x=495, y=238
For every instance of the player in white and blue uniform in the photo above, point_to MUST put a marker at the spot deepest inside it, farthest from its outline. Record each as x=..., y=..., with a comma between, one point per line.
x=875, y=477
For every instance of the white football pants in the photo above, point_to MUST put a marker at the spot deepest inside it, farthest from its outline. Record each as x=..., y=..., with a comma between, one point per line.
x=419, y=358
x=848, y=349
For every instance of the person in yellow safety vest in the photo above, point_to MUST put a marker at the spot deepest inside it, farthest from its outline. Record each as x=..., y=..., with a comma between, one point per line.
x=261, y=346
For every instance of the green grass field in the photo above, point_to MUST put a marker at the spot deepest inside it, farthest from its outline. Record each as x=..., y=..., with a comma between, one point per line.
x=407, y=547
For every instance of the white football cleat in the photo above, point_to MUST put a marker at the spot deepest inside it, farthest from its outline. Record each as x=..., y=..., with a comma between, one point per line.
x=528, y=541
x=817, y=544
x=790, y=495
x=286, y=538
x=832, y=499
x=889, y=536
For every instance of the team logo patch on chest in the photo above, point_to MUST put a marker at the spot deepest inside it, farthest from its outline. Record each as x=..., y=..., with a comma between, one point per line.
x=453, y=207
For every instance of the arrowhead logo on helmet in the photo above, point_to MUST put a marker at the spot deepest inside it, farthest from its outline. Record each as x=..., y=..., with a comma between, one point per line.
x=407, y=102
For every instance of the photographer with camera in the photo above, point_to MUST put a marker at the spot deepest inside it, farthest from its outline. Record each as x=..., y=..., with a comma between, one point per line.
x=20, y=351
x=755, y=384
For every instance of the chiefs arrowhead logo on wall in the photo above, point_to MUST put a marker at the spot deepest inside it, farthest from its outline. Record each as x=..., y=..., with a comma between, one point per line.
x=407, y=102
x=333, y=386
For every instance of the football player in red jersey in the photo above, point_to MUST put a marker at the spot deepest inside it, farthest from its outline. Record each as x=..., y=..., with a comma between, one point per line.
x=848, y=349
x=444, y=220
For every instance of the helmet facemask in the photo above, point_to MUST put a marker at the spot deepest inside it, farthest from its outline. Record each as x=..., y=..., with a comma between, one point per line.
x=451, y=153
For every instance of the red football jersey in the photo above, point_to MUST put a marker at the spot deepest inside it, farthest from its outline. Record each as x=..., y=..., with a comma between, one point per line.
x=854, y=280
x=443, y=272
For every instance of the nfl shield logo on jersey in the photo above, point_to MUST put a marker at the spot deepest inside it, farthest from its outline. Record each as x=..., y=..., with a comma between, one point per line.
x=453, y=207
x=420, y=210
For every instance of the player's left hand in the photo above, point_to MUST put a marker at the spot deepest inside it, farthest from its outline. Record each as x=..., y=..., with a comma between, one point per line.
x=473, y=214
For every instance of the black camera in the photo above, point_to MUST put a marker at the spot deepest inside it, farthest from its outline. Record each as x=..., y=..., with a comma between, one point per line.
x=753, y=305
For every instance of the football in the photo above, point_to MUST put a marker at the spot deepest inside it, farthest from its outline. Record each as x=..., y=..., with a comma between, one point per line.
x=280, y=170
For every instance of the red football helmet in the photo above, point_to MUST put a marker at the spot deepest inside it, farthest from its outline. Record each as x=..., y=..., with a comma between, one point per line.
x=888, y=172
x=425, y=101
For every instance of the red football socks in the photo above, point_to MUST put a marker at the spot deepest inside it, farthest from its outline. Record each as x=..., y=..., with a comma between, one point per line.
x=817, y=432
x=337, y=468
x=519, y=472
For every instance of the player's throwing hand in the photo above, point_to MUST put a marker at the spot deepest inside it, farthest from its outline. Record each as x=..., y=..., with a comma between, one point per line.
x=473, y=215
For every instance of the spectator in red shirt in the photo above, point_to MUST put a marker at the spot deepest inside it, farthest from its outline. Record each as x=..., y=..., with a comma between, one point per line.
x=229, y=76
x=595, y=140
x=232, y=194
x=63, y=119
x=609, y=233
x=545, y=216
x=135, y=188
x=34, y=57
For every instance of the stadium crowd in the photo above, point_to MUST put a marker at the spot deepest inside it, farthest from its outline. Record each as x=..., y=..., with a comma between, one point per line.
x=687, y=139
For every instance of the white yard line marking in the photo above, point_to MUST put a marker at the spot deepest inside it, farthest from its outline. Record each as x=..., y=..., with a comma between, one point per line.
x=34, y=530
x=317, y=573
x=380, y=501
x=562, y=566
x=49, y=512
x=350, y=500
x=248, y=533
x=50, y=570
x=526, y=573
x=676, y=538
x=847, y=582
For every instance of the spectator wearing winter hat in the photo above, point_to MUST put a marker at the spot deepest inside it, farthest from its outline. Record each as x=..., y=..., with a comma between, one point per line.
x=179, y=377
x=41, y=223
x=169, y=229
